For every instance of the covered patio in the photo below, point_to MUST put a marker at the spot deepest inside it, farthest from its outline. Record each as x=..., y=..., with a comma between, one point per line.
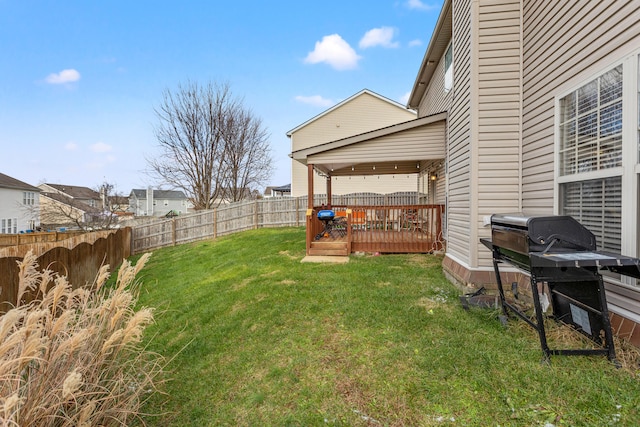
x=398, y=225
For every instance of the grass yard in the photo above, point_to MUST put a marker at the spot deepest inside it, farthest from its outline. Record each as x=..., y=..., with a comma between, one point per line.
x=260, y=339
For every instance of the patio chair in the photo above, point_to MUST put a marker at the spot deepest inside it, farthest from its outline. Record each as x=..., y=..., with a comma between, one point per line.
x=358, y=220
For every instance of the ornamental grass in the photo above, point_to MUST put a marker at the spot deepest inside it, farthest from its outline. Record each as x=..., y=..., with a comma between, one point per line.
x=73, y=357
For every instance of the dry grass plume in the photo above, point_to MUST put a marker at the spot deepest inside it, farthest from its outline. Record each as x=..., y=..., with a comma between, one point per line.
x=73, y=357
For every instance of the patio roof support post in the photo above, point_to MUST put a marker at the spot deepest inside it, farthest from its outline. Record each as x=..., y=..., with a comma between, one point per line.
x=310, y=187
x=329, y=192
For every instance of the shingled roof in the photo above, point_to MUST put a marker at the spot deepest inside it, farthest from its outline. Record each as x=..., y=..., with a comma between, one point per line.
x=8, y=182
x=159, y=194
x=75, y=191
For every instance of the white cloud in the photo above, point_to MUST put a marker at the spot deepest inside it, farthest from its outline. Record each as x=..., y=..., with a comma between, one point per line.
x=100, y=147
x=334, y=51
x=382, y=36
x=416, y=42
x=315, y=100
x=70, y=146
x=65, y=76
x=419, y=5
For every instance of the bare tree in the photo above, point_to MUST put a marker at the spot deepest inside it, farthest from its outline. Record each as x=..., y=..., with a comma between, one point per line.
x=211, y=146
x=247, y=161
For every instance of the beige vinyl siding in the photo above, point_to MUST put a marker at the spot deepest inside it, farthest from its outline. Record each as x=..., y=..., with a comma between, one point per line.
x=436, y=99
x=382, y=184
x=498, y=115
x=459, y=155
x=361, y=114
x=425, y=142
x=425, y=185
x=564, y=44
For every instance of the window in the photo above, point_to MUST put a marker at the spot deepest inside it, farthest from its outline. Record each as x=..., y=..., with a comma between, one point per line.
x=591, y=126
x=9, y=226
x=448, y=69
x=28, y=198
x=596, y=204
x=590, y=157
x=598, y=157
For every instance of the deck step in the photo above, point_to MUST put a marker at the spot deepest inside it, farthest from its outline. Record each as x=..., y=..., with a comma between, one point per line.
x=328, y=248
x=328, y=252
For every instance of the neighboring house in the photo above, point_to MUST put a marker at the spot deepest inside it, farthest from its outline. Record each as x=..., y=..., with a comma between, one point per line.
x=360, y=113
x=150, y=202
x=76, y=206
x=539, y=105
x=19, y=206
x=281, y=191
x=61, y=211
x=79, y=194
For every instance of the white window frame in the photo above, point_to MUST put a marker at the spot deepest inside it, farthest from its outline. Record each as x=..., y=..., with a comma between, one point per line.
x=28, y=198
x=629, y=171
x=448, y=70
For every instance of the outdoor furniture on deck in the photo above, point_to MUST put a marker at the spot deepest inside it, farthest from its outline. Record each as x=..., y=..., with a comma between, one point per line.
x=334, y=224
x=377, y=228
x=359, y=219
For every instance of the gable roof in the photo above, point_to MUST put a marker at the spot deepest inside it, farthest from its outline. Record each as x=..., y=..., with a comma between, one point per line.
x=141, y=193
x=66, y=200
x=75, y=191
x=8, y=182
x=338, y=105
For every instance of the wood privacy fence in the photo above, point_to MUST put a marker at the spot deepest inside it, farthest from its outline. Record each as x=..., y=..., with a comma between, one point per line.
x=27, y=238
x=240, y=216
x=78, y=258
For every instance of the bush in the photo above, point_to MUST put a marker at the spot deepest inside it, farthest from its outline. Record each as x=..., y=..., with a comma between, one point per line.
x=74, y=356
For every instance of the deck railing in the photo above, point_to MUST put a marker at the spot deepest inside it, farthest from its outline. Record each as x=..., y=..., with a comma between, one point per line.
x=390, y=229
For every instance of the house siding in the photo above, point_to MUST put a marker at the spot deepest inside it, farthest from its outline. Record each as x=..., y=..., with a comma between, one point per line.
x=565, y=45
x=436, y=99
x=498, y=116
x=459, y=147
x=361, y=114
x=425, y=142
x=12, y=207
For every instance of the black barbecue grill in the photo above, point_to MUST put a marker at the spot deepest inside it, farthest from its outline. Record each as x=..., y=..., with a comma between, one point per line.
x=561, y=252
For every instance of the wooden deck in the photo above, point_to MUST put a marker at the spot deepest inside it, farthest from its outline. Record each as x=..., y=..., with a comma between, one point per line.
x=384, y=229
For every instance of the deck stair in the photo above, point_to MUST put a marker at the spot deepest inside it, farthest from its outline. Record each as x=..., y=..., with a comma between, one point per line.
x=328, y=248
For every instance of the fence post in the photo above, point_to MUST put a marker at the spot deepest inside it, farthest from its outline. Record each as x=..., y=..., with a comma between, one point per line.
x=297, y=212
x=215, y=223
x=173, y=231
x=255, y=215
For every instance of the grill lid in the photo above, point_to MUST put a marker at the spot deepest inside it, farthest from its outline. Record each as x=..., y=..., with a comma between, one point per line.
x=560, y=232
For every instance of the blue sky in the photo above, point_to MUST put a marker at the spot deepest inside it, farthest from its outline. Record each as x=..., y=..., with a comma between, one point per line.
x=79, y=79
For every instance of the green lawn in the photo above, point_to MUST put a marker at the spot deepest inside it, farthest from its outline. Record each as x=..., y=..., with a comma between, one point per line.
x=260, y=339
